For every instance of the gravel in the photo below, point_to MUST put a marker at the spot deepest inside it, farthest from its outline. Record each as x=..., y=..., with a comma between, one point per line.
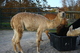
x=28, y=43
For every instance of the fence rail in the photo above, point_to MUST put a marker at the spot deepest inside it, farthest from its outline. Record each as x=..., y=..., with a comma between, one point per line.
x=5, y=17
x=73, y=12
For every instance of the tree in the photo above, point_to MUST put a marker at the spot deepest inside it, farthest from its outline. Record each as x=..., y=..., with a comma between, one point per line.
x=78, y=5
x=72, y=5
x=64, y=5
x=1, y=1
x=69, y=4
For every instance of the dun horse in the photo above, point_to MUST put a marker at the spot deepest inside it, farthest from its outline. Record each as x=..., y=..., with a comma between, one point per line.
x=63, y=23
x=73, y=32
x=32, y=22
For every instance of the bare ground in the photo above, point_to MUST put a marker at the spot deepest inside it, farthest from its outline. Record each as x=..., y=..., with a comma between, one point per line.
x=28, y=43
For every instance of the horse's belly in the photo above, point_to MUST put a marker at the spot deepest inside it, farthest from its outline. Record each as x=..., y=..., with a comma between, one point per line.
x=31, y=28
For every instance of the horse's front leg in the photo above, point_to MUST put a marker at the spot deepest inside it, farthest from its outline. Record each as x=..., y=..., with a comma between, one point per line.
x=38, y=39
x=47, y=31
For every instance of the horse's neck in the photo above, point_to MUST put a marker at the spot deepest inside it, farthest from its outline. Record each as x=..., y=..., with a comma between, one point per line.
x=57, y=20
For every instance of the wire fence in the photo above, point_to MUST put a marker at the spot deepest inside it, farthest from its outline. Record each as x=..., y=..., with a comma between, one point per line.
x=7, y=13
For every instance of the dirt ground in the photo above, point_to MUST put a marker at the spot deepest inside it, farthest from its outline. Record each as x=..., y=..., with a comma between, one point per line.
x=28, y=43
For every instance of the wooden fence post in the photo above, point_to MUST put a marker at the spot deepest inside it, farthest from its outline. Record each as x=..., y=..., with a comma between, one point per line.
x=0, y=19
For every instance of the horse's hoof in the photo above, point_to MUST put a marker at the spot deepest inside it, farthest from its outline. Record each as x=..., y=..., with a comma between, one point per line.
x=19, y=52
x=38, y=52
x=41, y=40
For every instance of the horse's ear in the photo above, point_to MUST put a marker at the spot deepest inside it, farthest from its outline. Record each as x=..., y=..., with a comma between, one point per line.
x=71, y=28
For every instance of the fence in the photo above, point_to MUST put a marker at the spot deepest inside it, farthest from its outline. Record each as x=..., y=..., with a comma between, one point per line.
x=72, y=15
x=7, y=13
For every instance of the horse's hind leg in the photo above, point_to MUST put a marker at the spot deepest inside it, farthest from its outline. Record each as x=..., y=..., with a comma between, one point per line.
x=16, y=40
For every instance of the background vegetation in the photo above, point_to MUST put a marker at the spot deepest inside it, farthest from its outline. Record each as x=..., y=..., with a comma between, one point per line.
x=8, y=8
